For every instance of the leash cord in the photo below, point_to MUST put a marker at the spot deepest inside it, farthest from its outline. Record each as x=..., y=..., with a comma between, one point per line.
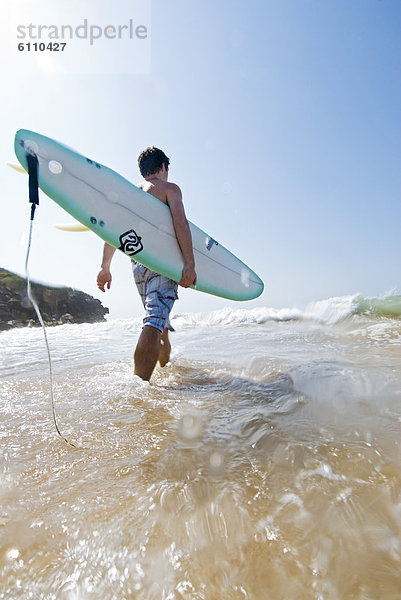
x=39, y=315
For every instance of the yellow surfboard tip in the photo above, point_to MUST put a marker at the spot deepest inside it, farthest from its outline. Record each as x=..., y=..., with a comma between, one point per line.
x=71, y=226
x=16, y=167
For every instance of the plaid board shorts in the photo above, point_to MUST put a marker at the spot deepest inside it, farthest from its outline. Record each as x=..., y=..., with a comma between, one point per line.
x=158, y=295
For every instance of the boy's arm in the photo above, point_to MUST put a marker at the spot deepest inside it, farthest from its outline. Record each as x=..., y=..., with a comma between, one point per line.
x=183, y=234
x=104, y=276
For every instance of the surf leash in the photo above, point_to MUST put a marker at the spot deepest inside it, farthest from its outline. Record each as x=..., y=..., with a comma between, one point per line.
x=34, y=200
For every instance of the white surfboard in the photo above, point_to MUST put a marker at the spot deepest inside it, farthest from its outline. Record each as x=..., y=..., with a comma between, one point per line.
x=131, y=220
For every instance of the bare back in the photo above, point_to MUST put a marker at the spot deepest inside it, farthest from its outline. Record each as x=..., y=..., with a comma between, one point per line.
x=158, y=188
x=170, y=194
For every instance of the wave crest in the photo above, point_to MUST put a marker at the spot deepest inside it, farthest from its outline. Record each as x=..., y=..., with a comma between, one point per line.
x=330, y=311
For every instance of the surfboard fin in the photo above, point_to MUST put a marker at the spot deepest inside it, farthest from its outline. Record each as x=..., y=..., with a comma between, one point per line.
x=74, y=226
x=16, y=167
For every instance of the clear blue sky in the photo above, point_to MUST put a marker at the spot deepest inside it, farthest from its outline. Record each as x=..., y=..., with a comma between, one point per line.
x=282, y=122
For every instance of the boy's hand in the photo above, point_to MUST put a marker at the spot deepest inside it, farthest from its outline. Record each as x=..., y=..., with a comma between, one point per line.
x=104, y=279
x=188, y=277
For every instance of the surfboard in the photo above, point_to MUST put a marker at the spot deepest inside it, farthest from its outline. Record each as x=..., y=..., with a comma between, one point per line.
x=131, y=220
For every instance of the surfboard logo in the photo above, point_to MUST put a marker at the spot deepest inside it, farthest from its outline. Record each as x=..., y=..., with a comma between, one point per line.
x=210, y=242
x=130, y=243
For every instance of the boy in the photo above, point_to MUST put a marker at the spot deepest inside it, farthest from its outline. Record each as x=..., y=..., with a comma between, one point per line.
x=158, y=293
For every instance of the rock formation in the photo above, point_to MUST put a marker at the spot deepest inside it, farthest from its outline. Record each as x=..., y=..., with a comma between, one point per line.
x=58, y=305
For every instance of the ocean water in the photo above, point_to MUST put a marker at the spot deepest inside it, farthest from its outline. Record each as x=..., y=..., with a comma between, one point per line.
x=263, y=463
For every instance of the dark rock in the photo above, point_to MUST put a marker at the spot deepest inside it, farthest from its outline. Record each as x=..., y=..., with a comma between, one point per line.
x=57, y=304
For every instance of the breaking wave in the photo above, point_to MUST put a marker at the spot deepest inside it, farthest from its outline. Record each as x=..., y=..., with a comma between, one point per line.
x=330, y=311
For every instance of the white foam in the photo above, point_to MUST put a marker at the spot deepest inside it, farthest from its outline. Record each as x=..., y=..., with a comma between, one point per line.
x=332, y=310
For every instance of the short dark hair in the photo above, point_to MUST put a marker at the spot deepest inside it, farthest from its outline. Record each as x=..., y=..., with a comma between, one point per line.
x=151, y=160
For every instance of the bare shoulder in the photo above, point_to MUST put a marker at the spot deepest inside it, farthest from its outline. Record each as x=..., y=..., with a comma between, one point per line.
x=173, y=191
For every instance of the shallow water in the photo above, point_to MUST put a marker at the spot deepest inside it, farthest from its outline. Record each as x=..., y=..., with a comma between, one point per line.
x=262, y=463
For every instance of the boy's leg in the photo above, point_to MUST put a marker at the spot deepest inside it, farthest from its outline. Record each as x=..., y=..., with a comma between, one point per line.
x=165, y=348
x=147, y=352
x=158, y=295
